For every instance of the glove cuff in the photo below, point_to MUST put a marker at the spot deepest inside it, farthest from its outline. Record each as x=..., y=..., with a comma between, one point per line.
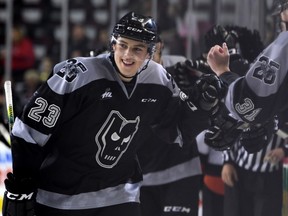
x=20, y=197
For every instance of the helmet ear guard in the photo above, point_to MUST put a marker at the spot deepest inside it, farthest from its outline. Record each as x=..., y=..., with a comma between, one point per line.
x=151, y=49
x=113, y=40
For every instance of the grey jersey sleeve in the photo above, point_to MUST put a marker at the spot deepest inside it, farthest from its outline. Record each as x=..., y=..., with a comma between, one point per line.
x=261, y=94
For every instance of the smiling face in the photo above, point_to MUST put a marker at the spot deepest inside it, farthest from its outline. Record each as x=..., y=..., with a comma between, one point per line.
x=129, y=56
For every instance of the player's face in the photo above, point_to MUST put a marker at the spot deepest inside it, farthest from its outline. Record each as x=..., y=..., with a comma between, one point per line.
x=129, y=55
x=284, y=19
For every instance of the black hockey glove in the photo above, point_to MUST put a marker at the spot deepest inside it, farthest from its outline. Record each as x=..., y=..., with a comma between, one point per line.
x=224, y=132
x=183, y=74
x=219, y=34
x=208, y=92
x=256, y=137
x=19, y=197
x=201, y=64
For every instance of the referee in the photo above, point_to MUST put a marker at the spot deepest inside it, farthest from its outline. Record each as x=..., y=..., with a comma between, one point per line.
x=253, y=181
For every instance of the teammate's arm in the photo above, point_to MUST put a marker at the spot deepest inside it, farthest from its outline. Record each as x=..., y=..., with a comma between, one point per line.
x=259, y=95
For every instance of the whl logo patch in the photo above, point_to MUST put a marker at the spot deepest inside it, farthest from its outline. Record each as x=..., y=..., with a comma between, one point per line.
x=107, y=94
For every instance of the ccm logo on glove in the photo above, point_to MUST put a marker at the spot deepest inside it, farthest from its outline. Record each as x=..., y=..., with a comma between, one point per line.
x=19, y=197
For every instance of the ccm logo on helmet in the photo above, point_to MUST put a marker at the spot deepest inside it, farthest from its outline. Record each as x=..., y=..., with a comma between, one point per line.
x=134, y=29
x=19, y=197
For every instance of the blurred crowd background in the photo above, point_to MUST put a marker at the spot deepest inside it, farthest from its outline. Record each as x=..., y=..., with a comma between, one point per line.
x=60, y=29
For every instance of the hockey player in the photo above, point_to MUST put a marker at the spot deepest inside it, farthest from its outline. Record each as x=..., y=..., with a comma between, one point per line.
x=171, y=173
x=74, y=145
x=249, y=98
x=257, y=96
x=225, y=130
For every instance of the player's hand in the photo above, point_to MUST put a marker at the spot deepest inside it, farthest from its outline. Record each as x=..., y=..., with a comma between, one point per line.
x=19, y=197
x=218, y=59
x=223, y=132
x=275, y=156
x=229, y=175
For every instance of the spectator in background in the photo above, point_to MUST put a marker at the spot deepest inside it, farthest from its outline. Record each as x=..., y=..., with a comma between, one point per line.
x=31, y=83
x=78, y=42
x=23, y=57
x=167, y=18
x=102, y=41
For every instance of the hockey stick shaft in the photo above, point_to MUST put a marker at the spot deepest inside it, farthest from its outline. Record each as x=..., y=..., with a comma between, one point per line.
x=9, y=105
x=5, y=133
x=285, y=188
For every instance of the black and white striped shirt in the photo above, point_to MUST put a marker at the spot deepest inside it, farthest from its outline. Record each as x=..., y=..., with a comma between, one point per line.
x=254, y=161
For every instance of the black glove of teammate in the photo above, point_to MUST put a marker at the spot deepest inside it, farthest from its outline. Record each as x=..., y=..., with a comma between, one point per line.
x=201, y=64
x=224, y=132
x=256, y=137
x=218, y=35
x=207, y=93
x=186, y=73
x=183, y=75
x=19, y=197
